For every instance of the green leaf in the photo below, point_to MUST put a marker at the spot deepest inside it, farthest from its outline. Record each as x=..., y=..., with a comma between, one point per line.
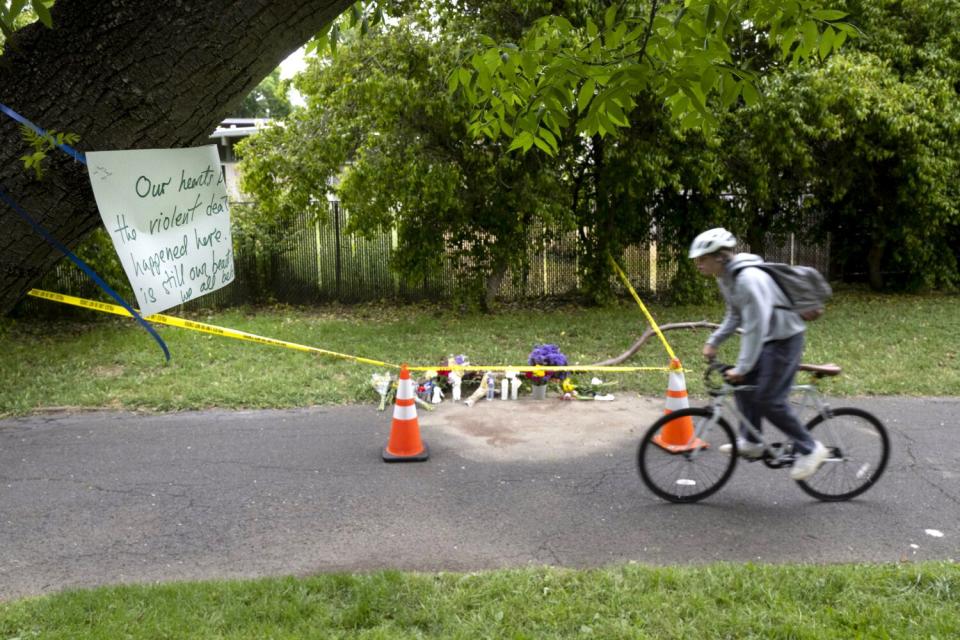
x=708, y=80
x=750, y=94
x=828, y=14
x=810, y=34
x=826, y=41
x=615, y=113
x=334, y=38
x=492, y=59
x=464, y=75
x=586, y=94
x=549, y=138
x=543, y=146
x=614, y=36
x=610, y=17
x=633, y=35
x=483, y=80
x=691, y=120
x=729, y=91
x=592, y=29
x=522, y=141
x=43, y=12
x=563, y=24
x=476, y=61
x=529, y=64
x=679, y=16
x=789, y=37
x=839, y=39
x=15, y=8
x=453, y=81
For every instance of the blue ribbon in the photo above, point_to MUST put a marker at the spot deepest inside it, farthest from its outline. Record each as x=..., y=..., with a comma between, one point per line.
x=64, y=147
x=56, y=243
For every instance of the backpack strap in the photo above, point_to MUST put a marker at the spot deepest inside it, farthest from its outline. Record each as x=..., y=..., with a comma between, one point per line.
x=773, y=276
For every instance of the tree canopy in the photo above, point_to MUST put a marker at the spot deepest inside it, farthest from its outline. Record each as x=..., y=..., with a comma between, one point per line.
x=789, y=143
x=870, y=142
x=639, y=119
x=381, y=126
x=268, y=100
x=588, y=71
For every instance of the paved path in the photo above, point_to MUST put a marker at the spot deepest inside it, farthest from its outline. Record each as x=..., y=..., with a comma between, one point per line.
x=101, y=498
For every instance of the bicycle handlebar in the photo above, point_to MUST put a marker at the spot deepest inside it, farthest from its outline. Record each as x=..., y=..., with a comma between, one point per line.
x=714, y=370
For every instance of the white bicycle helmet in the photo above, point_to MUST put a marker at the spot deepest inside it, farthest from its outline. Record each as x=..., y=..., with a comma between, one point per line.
x=712, y=240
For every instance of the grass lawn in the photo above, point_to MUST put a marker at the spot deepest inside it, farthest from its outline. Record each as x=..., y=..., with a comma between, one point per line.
x=887, y=345
x=716, y=601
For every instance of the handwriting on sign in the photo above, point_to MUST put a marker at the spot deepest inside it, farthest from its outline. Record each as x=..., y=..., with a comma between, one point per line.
x=167, y=213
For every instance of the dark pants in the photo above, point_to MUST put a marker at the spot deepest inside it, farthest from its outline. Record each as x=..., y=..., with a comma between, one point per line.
x=773, y=376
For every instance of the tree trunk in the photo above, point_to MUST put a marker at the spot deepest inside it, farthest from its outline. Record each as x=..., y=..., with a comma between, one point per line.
x=126, y=74
x=874, y=264
x=756, y=235
x=492, y=284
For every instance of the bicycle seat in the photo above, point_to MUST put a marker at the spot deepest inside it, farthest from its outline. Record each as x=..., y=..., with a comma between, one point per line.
x=822, y=370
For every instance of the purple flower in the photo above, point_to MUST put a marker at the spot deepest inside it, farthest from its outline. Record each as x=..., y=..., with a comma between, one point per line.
x=547, y=355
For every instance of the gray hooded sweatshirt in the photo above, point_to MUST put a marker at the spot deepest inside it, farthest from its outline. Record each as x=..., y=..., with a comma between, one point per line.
x=751, y=306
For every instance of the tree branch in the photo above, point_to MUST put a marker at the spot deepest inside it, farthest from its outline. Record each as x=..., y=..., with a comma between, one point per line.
x=629, y=353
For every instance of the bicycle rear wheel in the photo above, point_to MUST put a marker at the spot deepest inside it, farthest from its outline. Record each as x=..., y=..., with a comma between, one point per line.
x=859, y=449
x=694, y=467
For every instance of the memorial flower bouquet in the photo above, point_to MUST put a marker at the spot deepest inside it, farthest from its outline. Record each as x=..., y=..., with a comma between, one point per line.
x=444, y=369
x=546, y=355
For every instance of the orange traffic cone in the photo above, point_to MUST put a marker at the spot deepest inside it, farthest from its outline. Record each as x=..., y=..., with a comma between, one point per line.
x=677, y=435
x=405, y=444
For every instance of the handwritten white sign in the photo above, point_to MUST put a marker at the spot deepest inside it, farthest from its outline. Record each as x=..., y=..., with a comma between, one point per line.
x=166, y=212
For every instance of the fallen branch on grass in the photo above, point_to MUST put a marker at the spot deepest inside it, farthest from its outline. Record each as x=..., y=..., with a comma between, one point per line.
x=629, y=353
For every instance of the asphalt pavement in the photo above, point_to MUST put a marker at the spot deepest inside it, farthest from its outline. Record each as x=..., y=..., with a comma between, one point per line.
x=97, y=498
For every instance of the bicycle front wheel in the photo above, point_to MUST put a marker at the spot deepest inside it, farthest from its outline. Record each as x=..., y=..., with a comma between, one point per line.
x=859, y=449
x=679, y=458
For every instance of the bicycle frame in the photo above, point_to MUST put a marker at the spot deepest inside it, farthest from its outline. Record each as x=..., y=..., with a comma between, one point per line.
x=724, y=402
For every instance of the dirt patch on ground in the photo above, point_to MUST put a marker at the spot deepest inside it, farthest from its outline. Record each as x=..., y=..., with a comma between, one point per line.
x=549, y=429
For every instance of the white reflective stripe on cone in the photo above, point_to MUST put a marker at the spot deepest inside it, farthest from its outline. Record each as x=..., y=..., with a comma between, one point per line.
x=404, y=413
x=405, y=389
x=676, y=382
x=675, y=404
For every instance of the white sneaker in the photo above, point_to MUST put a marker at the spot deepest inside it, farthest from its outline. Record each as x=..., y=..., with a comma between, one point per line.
x=807, y=465
x=745, y=449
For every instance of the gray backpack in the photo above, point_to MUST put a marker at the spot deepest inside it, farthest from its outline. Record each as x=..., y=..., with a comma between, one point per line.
x=805, y=287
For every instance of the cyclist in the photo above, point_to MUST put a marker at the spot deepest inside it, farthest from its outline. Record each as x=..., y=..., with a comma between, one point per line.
x=770, y=349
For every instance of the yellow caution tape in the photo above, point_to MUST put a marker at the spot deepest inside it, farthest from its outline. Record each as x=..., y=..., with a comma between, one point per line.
x=203, y=327
x=535, y=368
x=653, y=323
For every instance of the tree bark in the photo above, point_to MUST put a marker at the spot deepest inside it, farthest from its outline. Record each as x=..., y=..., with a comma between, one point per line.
x=126, y=74
x=875, y=264
x=492, y=284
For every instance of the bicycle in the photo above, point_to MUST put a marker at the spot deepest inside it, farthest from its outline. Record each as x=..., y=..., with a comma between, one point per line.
x=692, y=467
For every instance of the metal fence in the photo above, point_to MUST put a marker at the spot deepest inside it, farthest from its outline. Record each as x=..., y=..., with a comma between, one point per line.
x=318, y=263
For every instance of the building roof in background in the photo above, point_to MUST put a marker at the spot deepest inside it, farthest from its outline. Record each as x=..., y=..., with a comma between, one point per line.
x=240, y=127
